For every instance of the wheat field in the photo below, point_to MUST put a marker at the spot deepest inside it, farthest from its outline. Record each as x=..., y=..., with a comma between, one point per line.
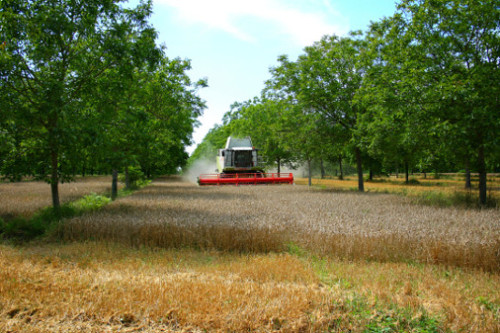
x=175, y=257
x=348, y=225
x=108, y=287
x=23, y=199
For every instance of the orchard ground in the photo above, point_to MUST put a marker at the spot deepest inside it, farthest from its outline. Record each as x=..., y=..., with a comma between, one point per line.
x=177, y=257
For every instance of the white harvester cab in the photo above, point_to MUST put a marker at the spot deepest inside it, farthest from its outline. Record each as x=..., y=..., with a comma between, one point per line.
x=238, y=164
x=239, y=156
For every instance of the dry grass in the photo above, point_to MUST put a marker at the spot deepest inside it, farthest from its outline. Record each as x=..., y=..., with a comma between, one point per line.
x=176, y=257
x=23, y=199
x=265, y=218
x=99, y=287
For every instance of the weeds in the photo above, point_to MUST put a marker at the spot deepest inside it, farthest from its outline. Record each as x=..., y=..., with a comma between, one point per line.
x=401, y=321
x=89, y=203
x=23, y=229
x=46, y=221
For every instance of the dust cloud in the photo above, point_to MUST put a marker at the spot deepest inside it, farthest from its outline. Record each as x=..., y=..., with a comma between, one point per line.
x=199, y=167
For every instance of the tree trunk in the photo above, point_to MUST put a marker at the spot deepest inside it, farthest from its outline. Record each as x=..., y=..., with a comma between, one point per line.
x=425, y=175
x=322, y=166
x=309, y=172
x=407, y=173
x=468, y=184
x=278, y=162
x=371, y=175
x=114, y=185
x=127, y=179
x=340, y=169
x=54, y=180
x=481, y=168
x=359, y=165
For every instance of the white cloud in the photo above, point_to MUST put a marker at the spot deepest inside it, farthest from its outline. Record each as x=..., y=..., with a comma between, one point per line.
x=302, y=25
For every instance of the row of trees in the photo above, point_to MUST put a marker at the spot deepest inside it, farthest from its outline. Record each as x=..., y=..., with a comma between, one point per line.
x=419, y=90
x=84, y=88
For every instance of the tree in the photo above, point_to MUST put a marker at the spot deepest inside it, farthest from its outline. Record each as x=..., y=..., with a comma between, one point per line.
x=215, y=139
x=324, y=80
x=54, y=53
x=268, y=123
x=172, y=105
x=454, y=56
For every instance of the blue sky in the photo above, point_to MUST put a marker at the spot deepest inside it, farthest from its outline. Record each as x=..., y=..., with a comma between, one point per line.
x=233, y=43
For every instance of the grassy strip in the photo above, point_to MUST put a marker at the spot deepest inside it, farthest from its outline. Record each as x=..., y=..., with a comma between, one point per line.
x=46, y=221
x=22, y=229
x=378, y=317
x=436, y=198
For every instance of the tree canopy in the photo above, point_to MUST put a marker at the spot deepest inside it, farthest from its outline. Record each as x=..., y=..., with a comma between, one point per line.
x=81, y=83
x=418, y=90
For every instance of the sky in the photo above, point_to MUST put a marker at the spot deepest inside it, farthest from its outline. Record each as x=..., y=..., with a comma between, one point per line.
x=234, y=43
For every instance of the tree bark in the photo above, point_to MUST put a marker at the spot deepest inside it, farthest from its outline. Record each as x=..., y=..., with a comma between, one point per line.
x=341, y=177
x=481, y=168
x=322, y=166
x=278, y=162
x=359, y=165
x=127, y=179
x=407, y=173
x=468, y=184
x=309, y=172
x=371, y=175
x=54, y=161
x=114, y=185
x=54, y=180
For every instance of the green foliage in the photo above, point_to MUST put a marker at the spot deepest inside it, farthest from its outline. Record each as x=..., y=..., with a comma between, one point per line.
x=270, y=124
x=46, y=221
x=297, y=251
x=454, y=199
x=413, y=181
x=84, y=88
x=490, y=306
x=215, y=139
x=402, y=321
x=135, y=177
x=89, y=203
x=21, y=229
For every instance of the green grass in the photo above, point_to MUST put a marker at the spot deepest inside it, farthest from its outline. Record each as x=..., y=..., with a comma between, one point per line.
x=401, y=320
x=45, y=221
x=454, y=199
x=386, y=318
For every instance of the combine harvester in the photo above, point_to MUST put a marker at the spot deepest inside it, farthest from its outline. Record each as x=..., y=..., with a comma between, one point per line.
x=238, y=164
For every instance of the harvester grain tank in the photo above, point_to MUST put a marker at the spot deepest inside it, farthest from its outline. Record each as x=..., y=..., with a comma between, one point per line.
x=238, y=163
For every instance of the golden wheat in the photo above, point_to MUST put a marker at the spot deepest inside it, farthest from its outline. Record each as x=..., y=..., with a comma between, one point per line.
x=100, y=287
x=104, y=286
x=266, y=218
